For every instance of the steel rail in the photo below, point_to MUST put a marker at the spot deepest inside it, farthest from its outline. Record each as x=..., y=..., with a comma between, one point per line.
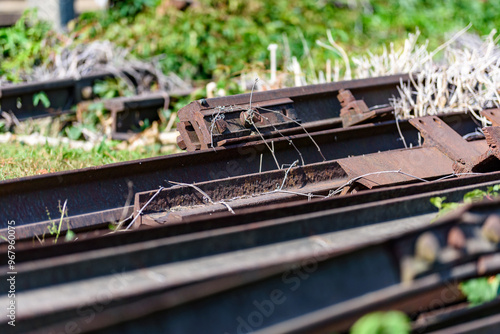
x=453, y=189
x=86, y=264
x=95, y=191
x=455, y=317
x=317, y=281
x=284, y=108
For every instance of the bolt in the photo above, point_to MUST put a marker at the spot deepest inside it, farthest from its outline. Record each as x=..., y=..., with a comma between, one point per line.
x=449, y=254
x=491, y=228
x=87, y=92
x=478, y=245
x=221, y=125
x=411, y=267
x=203, y=103
x=427, y=247
x=456, y=238
x=245, y=121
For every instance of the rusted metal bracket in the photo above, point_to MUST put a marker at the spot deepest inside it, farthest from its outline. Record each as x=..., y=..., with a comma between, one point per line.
x=62, y=95
x=356, y=112
x=177, y=203
x=225, y=120
x=438, y=134
x=205, y=128
x=490, y=160
x=353, y=111
x=397, y=167
x=492, y=115
x=128, y=113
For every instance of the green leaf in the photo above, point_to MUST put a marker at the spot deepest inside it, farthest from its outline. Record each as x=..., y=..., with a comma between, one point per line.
x=474, y=196
x=437, y=202
x=41, y=97
x=392, y=322
x=70, y=236
x=74, y=132
x=480, y=290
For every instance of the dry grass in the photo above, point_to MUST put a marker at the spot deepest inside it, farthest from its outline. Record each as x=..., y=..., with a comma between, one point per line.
x=461, y=75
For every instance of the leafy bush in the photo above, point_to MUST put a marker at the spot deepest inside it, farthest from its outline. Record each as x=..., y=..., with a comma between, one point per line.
x=236, y=33
x=24, y=45
x=130, y=8
x=472, y=196
x=481, y=290
x=392, y=322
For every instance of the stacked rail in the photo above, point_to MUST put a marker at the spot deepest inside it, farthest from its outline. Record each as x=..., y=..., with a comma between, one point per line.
x=299, y=210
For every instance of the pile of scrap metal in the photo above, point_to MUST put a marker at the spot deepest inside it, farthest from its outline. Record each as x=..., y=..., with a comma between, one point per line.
x=18, y=102
x=296, y=210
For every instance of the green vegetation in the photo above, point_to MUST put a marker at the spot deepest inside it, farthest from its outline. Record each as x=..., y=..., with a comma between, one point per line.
x=30, y=42
x=54, y=228
x=392, y=322
x=221, y=37
x=41, y=97
x=18, y=160
x=481, y=290
x=215, y=40
x=471, y=196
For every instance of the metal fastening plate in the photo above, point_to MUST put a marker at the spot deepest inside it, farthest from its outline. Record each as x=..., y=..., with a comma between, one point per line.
x=440, y=135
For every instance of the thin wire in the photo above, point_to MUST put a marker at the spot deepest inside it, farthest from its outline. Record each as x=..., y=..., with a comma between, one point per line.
x=251, y=93
x=286, y=174
x=303, y=128
x=309, y=195
x=290, y=142
x=205, y=195
x=399, y=130
x=457, y=174
x=145, y=205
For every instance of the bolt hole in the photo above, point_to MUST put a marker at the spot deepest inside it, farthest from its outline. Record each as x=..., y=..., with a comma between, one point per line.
x=420, y=121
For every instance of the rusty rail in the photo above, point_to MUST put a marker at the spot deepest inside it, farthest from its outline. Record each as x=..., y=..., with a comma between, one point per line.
x=250, y=218
x=313, y=261
x=212, y=122
x=97, y=195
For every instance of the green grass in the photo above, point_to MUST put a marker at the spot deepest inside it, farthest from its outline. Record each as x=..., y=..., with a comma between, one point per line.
x=18, y=160
x=221, y=37
x=215, y=41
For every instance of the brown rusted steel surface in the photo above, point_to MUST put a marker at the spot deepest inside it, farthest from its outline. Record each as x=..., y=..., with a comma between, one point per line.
x=423, y=162
x=106, y=187
x=438, y=134
x=493, y=115
x=309, y=127
x=76, y=223
x=452, y=188
x=100, y=189
x=176, y=203
x=330, y=284
x=213, y=126
x=455, y=315
x=298, y=105
x=489, y=160
x=130, y=113
x=355, y=112
x=354, y=204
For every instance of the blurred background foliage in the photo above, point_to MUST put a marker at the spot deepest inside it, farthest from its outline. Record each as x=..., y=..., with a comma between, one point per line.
x=215, y=39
